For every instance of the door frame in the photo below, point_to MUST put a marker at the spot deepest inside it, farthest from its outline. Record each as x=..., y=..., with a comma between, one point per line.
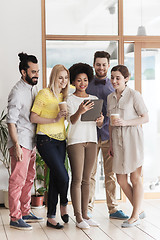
x=137, y=61
x=138, y=86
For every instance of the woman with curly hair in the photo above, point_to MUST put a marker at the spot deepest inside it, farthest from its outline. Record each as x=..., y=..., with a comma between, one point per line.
x=81, y=142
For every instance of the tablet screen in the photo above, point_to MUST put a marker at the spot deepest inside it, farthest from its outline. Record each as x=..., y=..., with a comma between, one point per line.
x=95, y=112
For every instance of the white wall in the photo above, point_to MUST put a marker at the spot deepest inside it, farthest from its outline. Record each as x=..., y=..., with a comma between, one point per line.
x=20, y=30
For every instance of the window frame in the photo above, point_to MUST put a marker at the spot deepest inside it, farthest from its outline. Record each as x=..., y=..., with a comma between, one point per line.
x=138, y=41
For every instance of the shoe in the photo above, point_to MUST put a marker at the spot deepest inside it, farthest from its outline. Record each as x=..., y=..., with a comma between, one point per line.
x=126, y=224
x=89, y=214
x=118, y=215
x=82, y=225
x=142, y=215
x=65, y=218
x=57, y=226
x=32, y=218
x=20, y=224
x=91, y=222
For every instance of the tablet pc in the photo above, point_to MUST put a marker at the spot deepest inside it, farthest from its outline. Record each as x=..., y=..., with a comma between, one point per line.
x=95, y=112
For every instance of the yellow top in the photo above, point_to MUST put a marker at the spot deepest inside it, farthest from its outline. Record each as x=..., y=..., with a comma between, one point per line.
x=46, y=105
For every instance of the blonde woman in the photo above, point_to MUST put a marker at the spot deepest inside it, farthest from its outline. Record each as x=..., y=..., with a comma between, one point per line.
x=51, y=142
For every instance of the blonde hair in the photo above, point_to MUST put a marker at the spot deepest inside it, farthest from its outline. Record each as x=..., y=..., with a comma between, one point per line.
x=53, y=80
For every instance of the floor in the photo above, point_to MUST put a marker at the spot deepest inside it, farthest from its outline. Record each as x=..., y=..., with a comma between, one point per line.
x=109, y=229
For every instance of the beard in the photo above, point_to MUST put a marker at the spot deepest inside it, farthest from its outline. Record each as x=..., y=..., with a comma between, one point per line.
x=101, y=75
x=30, y=80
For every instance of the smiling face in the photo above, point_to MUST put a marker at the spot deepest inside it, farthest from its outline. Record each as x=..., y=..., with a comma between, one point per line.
x=81, y=82
x=62, y=79
x=101, y=66
x=31, y=75
x=118, y=81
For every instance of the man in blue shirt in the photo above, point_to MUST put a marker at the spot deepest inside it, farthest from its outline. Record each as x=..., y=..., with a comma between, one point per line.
x=101, y=87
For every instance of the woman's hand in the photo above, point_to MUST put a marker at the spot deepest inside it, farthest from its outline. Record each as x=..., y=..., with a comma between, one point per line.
x=132, y=122
x=35, y=118
x=84, y=107
x=100, y=120
x=61, y=114
x=119, y=122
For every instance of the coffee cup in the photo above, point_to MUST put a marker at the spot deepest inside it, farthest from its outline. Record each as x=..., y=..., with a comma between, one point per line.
x=113, y=117
x=63, y=106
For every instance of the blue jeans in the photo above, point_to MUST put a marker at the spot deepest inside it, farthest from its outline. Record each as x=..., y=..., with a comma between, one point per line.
x=53, y=153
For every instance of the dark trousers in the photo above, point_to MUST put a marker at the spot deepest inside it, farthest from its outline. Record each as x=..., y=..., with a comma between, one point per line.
x=53, y=153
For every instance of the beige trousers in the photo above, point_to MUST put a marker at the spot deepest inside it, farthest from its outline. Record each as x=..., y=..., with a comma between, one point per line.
x=82, y=157
x=110, y=180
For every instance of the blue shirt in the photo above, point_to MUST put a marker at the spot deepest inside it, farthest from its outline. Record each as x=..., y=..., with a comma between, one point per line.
x=102, y=92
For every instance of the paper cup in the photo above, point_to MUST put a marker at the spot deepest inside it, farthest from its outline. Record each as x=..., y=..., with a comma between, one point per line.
x=113, y=117
x=63, y=106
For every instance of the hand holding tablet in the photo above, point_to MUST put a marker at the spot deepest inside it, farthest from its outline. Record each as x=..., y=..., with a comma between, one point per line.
x=94, y=112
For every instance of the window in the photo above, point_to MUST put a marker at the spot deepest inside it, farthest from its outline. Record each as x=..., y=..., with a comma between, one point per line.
x=141, y=17
x=82, y=17
x=76, y=29
x=70, y=52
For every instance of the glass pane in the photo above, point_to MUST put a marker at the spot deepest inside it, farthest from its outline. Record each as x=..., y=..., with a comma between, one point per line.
x=129, y=62
x=100, y=192
x=82, y=17
x=70, y=52
x=147, y=20
x=150, y=91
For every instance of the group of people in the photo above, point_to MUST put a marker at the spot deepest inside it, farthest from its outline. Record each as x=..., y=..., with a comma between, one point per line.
x=121, y=143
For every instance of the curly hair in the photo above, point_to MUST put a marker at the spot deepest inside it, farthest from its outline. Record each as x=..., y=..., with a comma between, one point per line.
x=78, y=68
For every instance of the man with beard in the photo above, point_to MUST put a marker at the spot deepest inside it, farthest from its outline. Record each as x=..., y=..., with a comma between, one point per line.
x=101, y=87
x=21, y=143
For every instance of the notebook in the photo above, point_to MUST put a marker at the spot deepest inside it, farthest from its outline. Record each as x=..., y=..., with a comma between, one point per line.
x=95, y=112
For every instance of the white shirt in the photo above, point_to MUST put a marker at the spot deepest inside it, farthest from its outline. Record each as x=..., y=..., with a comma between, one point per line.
x=81, y=131
x=20, y=102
